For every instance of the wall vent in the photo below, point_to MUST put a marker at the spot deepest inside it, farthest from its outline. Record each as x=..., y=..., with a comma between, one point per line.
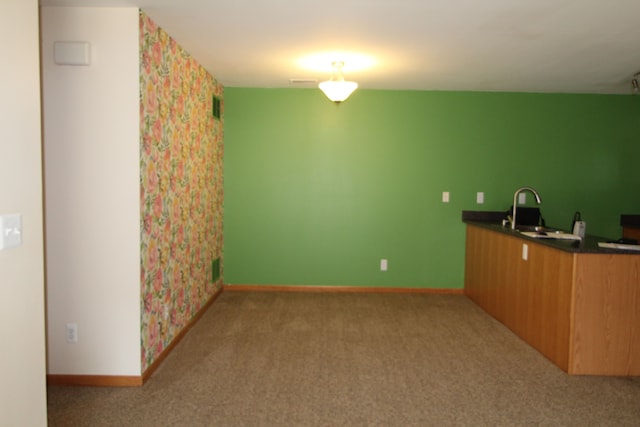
x=303, y=81
x=215, y=270
x=216, y=107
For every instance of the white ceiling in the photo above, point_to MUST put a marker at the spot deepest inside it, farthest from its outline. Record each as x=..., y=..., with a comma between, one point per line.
x=576, y=46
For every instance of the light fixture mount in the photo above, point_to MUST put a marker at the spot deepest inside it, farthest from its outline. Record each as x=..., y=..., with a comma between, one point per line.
x=635, y=88
x=337, y=89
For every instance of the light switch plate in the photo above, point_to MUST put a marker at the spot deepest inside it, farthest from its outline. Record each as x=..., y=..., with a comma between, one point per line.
x=383, y=265
x=522, y=198
x=10, y=231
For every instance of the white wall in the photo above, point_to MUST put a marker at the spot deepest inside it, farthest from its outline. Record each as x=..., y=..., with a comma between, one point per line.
x=22, y=352
x=92, y=188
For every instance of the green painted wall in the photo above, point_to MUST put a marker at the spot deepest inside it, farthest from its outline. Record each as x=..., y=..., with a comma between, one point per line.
x=317, y=194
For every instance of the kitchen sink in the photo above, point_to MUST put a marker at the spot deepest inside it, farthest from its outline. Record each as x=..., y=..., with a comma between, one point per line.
x=551, y=234
x=542, y=232
x=536, y=228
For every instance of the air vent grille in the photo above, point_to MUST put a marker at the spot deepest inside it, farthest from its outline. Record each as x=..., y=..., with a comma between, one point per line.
x=216, y=107
x=303, y=81
x=215, y=270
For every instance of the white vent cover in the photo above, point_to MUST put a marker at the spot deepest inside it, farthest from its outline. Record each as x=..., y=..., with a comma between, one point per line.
x=303, y=81
x=72, y=53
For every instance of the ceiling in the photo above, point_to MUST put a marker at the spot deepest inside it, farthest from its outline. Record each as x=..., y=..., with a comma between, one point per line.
x=560, y=46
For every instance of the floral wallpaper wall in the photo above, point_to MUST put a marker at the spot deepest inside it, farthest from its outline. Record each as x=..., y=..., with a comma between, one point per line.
x=180, y=188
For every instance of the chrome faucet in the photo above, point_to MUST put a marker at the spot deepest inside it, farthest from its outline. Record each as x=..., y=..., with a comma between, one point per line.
x=515, y=202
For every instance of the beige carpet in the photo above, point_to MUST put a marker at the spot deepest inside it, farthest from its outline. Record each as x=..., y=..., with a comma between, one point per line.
x=307, y=359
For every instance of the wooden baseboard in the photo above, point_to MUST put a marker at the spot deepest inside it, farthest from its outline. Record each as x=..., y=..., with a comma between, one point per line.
x=95, y=380
x=129, y=381
x=339, y=289
x=151, y=369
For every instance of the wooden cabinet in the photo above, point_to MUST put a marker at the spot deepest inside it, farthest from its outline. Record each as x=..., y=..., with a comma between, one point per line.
x=580, y=310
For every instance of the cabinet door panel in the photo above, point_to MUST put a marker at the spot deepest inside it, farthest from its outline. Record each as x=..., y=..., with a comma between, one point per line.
x=606, y=331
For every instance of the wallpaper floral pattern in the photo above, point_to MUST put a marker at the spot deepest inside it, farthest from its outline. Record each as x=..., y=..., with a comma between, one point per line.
x=180, y=188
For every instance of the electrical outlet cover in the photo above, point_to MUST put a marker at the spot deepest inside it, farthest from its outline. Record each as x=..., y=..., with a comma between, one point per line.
x=72, y=333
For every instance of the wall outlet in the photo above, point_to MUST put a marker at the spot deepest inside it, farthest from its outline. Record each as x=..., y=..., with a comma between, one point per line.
x=445, y=197
x=522, y=198
x=480, y=197
x=72, y=333
x=383, y=265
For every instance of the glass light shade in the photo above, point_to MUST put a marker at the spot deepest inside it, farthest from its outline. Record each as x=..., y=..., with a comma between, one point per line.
x=338, y=90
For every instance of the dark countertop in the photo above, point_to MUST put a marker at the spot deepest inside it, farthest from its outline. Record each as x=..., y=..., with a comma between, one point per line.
x=587, y=245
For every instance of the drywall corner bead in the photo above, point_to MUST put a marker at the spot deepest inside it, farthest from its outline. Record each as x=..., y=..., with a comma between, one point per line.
x=72, y=53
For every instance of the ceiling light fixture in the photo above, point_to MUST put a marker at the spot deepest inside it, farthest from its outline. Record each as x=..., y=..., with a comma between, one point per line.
x=337, y=89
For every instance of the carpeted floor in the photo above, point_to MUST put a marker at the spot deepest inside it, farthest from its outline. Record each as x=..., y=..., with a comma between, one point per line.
x=309, y=359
